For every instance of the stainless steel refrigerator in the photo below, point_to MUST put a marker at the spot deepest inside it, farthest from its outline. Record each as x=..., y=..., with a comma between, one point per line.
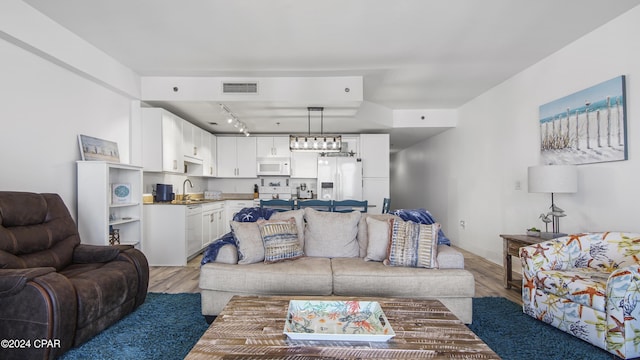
x=339, y=178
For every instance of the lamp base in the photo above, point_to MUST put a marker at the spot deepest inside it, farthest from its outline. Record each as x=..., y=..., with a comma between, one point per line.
x=551, y=235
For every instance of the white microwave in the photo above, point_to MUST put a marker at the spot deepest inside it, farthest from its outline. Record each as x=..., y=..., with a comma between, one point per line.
x=274, y=166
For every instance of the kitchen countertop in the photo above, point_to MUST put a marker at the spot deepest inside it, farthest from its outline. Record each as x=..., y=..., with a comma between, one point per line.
x=195, y=199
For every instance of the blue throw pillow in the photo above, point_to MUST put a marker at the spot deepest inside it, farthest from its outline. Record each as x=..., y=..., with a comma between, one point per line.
x=421, y=216
x=253, y=214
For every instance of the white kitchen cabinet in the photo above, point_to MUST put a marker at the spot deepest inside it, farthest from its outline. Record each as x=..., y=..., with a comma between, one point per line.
x=161, y=141
x=374, y=152
x=193, y=230
x=236, y=157
x=304, y=165
x=192, y=142
x=276, y=146
x=209, y=154
x=351, y=145
x=375, y=190
x=165, y=232
x=172, y=233
x=213, y=222
x=207, y=225
x=99, y=209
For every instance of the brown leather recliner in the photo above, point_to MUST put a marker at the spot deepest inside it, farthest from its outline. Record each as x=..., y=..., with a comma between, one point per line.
x=51, y=286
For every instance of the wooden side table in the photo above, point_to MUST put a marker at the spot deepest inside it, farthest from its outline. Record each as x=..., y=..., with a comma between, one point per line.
x=511, y=246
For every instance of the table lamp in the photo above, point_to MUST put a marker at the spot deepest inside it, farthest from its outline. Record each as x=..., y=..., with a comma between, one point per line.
x=553, y=179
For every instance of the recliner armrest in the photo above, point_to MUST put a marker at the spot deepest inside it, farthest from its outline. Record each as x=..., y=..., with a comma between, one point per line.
x=87, y=254
x=12, y=281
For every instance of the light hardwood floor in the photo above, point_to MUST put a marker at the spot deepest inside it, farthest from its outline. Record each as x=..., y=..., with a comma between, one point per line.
x=488, y=276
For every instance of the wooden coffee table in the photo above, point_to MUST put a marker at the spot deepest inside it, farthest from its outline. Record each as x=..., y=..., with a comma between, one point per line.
x=251, y=327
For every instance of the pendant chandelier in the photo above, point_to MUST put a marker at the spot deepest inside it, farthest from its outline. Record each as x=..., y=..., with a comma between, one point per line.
x=315, y=142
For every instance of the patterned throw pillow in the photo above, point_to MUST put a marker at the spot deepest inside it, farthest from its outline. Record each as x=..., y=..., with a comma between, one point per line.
x=413, y=245
x=280, y=239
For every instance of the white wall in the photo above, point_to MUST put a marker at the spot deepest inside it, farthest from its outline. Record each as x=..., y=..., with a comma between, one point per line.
x=44, y=108
x=469, y=173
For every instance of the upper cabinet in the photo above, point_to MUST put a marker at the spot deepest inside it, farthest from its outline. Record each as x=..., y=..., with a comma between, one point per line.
x=374, y=152
x=304, y=165
x=161, y=141
x=351, y=145
x=209, y=154
x=236, y=156
x=277, y=146
x=192, y=142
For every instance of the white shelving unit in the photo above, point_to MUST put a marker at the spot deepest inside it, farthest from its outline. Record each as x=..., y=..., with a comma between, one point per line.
x=97, y=213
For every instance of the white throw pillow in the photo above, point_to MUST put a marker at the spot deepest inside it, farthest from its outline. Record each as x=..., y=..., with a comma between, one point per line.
x=250, y=247
x=330, y=234
x=363, y=233
x=379, y=238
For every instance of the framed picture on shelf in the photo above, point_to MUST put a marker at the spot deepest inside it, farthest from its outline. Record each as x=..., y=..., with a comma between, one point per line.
x=120, y=193
x=98, y=149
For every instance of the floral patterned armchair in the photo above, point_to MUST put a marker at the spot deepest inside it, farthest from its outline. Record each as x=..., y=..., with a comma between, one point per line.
x=587, y=285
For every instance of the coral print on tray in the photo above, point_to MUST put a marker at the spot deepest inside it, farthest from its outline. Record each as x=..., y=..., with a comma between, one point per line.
x=337, y=320
x=588, y=126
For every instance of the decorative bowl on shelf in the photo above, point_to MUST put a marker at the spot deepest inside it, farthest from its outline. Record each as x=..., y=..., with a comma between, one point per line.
x=533, y=233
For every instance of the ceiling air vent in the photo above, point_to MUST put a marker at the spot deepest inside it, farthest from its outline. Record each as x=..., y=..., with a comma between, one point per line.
x=239, y=88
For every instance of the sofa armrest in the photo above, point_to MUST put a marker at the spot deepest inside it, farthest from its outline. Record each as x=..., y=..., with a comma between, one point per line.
x=87, y=254
x=45, y=307
x=228, y=254
x=12, y=281
x=137, y=258
x=449, y=258
x=623, y=296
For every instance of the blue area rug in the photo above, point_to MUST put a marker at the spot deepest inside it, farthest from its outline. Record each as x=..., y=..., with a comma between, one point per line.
x=513, y=335
x=167, y=326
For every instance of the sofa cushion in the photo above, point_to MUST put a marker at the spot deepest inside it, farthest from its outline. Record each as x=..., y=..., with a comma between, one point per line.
x=280, y=239
x=378, y=239
x=331, y=234
x=249, y=240
x=363, y=233
x=356, y=277
x=303, y=276
x=413, y=244
x=296, y=214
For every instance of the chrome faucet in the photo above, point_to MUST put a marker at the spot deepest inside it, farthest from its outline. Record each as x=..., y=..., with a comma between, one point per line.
x=185, y=197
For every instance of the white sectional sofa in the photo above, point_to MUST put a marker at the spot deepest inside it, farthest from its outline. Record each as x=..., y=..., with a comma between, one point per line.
x=339, y=249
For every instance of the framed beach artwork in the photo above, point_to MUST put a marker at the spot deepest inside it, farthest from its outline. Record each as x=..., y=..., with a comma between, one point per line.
x=589, y=126
x=98, y=149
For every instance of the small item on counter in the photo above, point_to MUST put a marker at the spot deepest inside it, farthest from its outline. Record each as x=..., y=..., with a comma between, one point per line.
x=256, y=193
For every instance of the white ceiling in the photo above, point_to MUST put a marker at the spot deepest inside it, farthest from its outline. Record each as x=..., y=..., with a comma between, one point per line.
x=412, y=54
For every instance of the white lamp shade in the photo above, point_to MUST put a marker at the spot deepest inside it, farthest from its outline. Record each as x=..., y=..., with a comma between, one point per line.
x=553, y=179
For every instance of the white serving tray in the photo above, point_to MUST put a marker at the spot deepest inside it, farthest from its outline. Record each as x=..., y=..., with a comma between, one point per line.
x=337, y=320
